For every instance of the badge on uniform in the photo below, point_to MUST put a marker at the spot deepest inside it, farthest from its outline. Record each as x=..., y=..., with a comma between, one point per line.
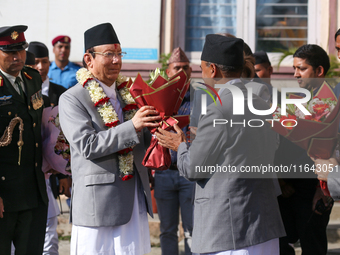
x=37, y=100
x=5, y=100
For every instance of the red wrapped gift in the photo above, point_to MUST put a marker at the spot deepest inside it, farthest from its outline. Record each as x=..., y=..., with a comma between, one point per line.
x=317, y=134
x=166, y=95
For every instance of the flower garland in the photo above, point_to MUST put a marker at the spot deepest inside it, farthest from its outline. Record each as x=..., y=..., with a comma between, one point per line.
x=109, y=115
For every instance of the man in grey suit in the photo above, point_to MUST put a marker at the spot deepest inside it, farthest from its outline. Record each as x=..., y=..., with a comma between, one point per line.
x=108, y=210
x=232, y=211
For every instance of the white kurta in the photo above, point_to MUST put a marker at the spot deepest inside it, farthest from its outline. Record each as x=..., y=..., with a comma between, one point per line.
x=132, y=238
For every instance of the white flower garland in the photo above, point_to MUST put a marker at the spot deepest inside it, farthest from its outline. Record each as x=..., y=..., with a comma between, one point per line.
x=108, y=113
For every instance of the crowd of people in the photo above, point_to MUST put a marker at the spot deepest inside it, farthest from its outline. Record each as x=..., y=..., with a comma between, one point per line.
x=222, y=213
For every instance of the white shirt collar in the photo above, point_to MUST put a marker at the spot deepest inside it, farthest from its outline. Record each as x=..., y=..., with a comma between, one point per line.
x=11, y=78
x=45, y=86
x=109, y=91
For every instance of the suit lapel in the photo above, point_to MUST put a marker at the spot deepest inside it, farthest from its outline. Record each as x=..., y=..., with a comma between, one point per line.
x=52, y=94
x=120, y=99
x=121, y=102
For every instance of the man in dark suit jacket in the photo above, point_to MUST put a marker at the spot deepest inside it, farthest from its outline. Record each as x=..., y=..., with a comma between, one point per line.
x=23, y=198
x=42, y=64
x=51, y=93
x=301, y=193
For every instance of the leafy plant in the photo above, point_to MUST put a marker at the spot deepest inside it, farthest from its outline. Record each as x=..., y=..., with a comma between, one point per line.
x=164, y=60
x=160, y=71
x=65, y=238
x=334, y=71
x=154, y=74
x=285, y=53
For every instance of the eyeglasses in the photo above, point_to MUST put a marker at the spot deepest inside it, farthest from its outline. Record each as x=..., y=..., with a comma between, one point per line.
x=111, y=55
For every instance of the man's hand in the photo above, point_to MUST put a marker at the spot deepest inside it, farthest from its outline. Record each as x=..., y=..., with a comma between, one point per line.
x=170, y=140
x=319, y=194
x=191, y=135
x=52, y=171
x=145, y=117
x=64, y=187
x=323, y=167
x=286, y=188
x=151, y=179
x=2, y=210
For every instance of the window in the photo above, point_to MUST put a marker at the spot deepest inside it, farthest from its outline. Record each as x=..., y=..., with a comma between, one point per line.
x=281, y=24
x=269, y=25
x=208, y=17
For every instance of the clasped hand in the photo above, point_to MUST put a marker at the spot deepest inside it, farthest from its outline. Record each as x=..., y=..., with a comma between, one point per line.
x=146, y=116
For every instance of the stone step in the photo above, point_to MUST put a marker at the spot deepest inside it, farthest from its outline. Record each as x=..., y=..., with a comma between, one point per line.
x=335, y=215
x=333, y=228
x=64, y=229
x=333, y=249
x=333, y=252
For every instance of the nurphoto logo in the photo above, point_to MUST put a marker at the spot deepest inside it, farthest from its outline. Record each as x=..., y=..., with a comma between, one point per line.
x=238, y=104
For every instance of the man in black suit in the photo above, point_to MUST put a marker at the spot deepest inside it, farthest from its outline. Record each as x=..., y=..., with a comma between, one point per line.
x=51, y=93
x=301, y=192
x=42, y=64
x=23, y=198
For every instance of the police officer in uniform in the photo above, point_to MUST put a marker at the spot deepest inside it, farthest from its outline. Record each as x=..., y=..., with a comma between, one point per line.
x=23, y=198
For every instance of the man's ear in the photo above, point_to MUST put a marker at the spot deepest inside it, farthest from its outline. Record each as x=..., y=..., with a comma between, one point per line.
x=320, y=71
x=88, y=60
x=270, y=69
x=167, y=71
x=213, y=70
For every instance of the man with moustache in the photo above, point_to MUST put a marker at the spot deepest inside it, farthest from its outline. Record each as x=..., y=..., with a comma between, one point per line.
x=23, y=198
x=62, y=71
x=109, y=208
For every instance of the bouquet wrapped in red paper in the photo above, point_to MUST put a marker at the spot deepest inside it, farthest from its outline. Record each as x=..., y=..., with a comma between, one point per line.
x=316, y=133
x=166, y=95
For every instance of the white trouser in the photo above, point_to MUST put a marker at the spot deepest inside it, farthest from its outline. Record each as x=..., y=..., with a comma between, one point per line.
x=270, y=247
x=51, y=237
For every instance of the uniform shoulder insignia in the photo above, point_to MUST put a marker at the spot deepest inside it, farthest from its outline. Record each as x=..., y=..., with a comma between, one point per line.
x=1, y=81
x=29, y=77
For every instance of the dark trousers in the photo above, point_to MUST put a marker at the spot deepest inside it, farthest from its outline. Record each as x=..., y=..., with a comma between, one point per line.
x=301, y=223
x=26, y=229
x=174, y=192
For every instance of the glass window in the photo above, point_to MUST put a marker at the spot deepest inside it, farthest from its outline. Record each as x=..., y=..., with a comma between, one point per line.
x=281, y=24
x=208, y=17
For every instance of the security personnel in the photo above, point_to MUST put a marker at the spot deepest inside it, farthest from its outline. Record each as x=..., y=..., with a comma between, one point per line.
x=62, y=71
x=23, y=198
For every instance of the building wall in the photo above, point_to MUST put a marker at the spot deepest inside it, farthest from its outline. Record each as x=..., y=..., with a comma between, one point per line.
x=137, y=23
